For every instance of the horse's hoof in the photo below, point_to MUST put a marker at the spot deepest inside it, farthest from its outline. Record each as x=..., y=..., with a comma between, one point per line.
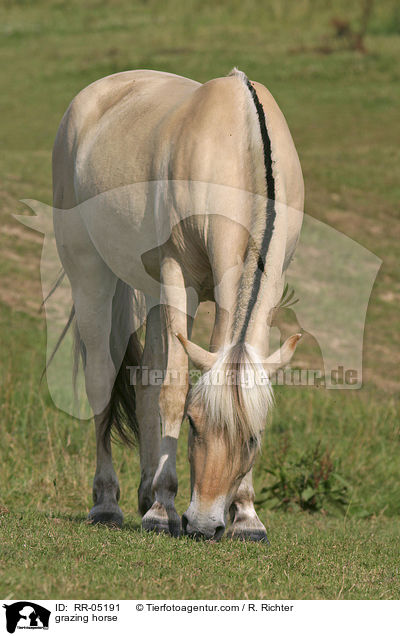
x=112, y=518
x=250, y=534
x=248, y=528
x=162, y=520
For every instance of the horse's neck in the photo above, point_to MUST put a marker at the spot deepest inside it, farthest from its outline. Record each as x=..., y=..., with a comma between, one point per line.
x=234, y=323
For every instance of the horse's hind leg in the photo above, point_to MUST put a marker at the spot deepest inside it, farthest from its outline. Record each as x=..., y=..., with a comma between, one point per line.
x=105, y=484
x=93, y=309
x=93, y=286
x=94, y=315
x=148, y=410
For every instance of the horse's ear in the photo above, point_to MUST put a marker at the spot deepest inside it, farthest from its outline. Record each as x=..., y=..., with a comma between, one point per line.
x=201, y=358
x=282, y=356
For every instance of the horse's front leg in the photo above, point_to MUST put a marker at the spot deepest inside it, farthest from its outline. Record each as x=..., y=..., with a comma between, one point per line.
x=245, y=522
x=162, y=516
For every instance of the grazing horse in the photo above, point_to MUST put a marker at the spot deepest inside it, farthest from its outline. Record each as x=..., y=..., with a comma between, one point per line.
x=214, y=213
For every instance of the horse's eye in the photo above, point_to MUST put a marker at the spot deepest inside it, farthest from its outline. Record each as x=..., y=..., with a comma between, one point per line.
x=253, y=442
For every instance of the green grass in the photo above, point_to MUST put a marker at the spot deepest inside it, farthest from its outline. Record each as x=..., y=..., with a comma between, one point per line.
x=308, y=558
x=46, y=468
x=342, y=110
x=48, y=550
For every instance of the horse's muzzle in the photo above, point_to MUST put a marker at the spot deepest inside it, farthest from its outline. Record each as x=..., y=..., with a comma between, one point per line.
x=212, y=532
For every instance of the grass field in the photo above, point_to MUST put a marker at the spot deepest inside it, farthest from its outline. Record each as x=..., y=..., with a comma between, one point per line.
x=342, y=108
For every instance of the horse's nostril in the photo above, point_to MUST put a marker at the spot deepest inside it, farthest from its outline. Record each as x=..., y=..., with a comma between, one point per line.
x=219, y=531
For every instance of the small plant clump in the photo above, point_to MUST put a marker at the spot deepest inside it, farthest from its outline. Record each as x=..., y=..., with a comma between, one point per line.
x=311, y=482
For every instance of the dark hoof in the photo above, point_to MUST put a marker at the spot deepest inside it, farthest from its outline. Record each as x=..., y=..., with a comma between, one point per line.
x=160, y=520
x=250, y=535
x=160, y=527
x=114, y=518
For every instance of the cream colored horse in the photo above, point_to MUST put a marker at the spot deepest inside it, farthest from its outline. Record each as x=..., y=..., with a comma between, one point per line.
x=215, y=214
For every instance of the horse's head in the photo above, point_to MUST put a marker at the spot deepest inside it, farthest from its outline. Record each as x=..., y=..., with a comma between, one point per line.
x=227, y=411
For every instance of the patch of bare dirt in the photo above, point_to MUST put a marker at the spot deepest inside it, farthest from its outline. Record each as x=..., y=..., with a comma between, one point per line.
x=20, y=232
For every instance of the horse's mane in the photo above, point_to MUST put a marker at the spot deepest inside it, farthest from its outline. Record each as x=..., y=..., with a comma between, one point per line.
x=232, y=407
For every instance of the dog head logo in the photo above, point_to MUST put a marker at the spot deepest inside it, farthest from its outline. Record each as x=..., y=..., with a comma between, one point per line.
x=26, y=615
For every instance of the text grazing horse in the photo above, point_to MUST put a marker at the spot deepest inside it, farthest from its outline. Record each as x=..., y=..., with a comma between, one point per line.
x=214, y=213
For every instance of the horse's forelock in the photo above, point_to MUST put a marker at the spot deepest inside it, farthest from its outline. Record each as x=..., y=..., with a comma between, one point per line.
x=231, y=406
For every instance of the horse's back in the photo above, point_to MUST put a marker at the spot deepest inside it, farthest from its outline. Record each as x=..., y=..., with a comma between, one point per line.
x=144, y=125
x=139, y=127
x=105, y=134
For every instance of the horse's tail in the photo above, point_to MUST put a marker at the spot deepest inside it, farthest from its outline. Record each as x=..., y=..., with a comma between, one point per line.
x=126, y=352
